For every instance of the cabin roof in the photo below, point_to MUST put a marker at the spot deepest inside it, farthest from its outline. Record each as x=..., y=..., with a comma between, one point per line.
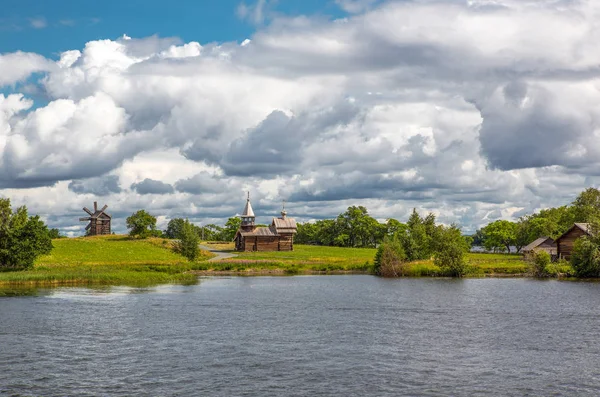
x=585, y=227
x=537, y=243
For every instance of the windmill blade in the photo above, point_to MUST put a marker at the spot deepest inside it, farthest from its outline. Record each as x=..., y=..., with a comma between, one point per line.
x=95, y=206
x=88, y=211
x=104, y=208
x=88, y=226
x=84, y=219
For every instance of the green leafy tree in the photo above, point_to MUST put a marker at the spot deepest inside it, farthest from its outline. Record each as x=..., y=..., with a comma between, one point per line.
x=586, y=207
x=142, y=224
x=419, y=238
x=231, y=227
x=500, y=234
x=174, y=228
x=22, y=237
x=187, y=245
x=54, y=233
x=450, y=251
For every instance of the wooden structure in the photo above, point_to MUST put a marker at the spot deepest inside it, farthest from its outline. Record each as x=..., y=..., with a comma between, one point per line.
x=564, y=244
x=99, y=221
x=279, y=236
x=541, y=244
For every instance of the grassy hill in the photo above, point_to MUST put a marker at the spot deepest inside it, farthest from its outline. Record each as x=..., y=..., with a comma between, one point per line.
x=112, y=260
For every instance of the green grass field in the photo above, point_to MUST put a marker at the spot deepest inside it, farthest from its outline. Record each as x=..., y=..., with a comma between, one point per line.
x=310, y=258
x=110, y=260
x=120, y=260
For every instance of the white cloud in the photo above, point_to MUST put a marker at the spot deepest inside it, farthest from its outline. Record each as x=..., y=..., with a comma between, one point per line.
x=38, y=22
x=463, y=109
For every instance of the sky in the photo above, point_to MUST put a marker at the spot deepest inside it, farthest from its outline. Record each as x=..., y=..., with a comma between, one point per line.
x=473, y=110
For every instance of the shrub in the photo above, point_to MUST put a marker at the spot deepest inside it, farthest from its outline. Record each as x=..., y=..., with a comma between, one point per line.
x=539, y=263
x=188, y=242
x=390, y=259
x=585, y=258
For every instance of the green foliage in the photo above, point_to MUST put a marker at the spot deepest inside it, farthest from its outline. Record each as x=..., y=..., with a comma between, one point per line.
x=390, y=258
x=586, y=207
x=174, y=228
x=539, y=263
x=500, y=235
x=22, y=238
x=231, y=227
x=585, y=258
x=142, y=225
x=188, y=241
x=54, y=234
x=451, y=248
x=419, y=237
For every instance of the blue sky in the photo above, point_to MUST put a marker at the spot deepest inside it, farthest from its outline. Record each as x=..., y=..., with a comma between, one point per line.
x=48, y=27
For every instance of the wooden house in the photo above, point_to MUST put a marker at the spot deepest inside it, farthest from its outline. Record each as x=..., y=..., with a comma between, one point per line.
x=541, y=244
x=279, y=236
x=99, y=221
x=564, y=244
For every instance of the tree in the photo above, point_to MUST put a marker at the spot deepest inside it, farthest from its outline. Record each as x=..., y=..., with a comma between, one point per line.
x=231, y=227
x=54, y=233
x=188, y=241
x=174, y=228
x=419, y=236
x=142, y=224
x=22, y=238
x=586, y=207
x=500, y=234
x=450, y=251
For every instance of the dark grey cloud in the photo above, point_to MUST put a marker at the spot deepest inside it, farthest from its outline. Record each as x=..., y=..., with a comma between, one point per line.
x=202, y=182
x=101, y=186
x=151, y=186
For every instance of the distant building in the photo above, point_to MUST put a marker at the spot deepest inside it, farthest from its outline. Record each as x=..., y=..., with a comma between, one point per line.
x=541, y=244
x=99, y=221
x=279, y=236
x=564, y=244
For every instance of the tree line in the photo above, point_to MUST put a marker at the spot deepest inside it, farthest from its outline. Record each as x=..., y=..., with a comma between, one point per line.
x=500, y=235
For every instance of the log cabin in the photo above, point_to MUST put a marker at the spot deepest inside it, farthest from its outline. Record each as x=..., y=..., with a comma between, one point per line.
x=99, y=221
x=564, y=244
x=279, y=236
x=541, y=244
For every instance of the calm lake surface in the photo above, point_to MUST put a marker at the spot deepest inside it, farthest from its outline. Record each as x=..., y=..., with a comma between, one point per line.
x=305, y=336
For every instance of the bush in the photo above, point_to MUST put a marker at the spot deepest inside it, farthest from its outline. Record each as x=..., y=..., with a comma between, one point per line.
x=188, y=242
x=22, y=238
x=450, y=251
x=539, y=264
x=585, y=258
x=390, y=259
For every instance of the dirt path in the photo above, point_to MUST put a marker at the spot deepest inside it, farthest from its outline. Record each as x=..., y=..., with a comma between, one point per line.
x=219, y=254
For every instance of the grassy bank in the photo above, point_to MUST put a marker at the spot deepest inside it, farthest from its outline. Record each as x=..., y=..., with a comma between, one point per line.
x=319, y=259
x=108, y=260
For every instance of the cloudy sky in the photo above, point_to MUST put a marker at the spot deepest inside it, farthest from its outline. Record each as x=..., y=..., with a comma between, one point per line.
x=475, y=110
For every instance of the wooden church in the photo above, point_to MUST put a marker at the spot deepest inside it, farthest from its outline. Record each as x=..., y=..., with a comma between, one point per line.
x=279, y=236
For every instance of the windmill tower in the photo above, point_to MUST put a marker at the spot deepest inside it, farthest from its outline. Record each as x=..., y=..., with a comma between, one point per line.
x=99, y=221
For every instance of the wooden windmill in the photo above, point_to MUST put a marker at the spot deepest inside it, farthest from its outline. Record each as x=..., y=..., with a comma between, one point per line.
x=99, y=221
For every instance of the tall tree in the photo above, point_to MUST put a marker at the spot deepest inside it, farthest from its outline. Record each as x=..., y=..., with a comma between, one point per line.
x=586, y=207
x=231, y=227
x=500, y=234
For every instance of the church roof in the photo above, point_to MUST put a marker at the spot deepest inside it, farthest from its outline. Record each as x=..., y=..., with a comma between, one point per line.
x=248, y=209
x=261, y=231
x=285, y=225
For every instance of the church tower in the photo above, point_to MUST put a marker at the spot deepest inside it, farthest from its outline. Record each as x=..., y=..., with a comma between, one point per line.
x=248, y=218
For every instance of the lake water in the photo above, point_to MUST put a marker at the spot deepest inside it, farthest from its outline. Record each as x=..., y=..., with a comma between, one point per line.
x=305, y=336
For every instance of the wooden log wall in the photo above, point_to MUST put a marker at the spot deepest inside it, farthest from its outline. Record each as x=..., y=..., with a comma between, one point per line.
x=565, y=244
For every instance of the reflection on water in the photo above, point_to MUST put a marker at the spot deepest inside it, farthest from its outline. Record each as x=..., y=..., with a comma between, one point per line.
x=332, y=335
